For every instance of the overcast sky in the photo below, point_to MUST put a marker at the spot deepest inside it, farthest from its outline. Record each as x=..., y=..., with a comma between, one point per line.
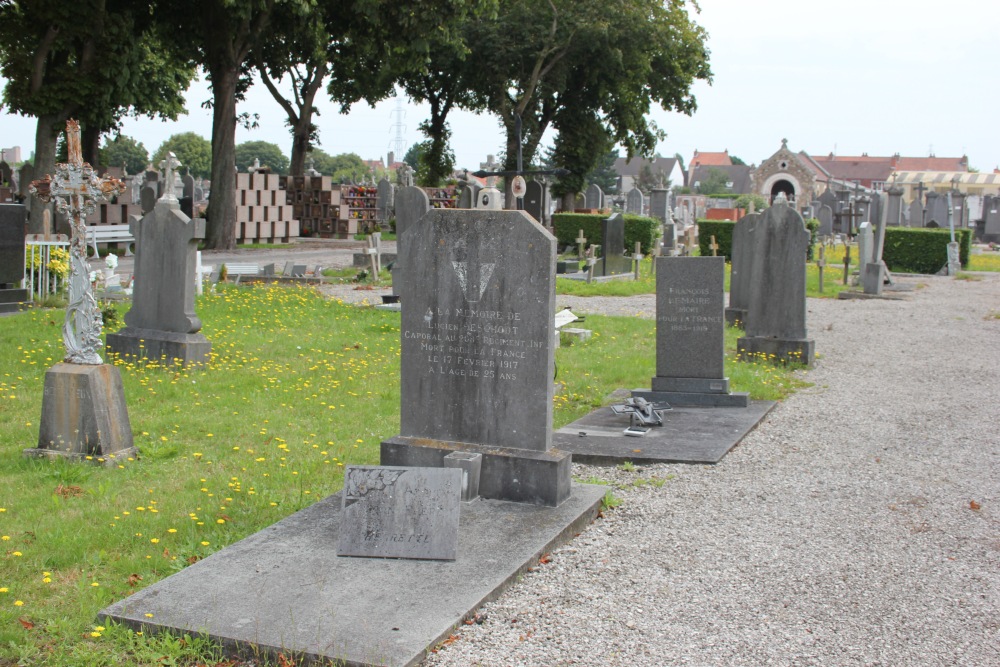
x=847, y=77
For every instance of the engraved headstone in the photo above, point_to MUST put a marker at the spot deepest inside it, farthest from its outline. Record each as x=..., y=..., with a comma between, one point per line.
x=613, y=260
x=741, y=269
x=478, y=296
x=411, y=204
x=690, y=334
x=825, y=216
x=634, y=201
x=595, y=197
x=776, y=314
x=916, y=213
x=937, y=210
x=659, y=205
x=536, y=201
x=162, y=323
x=395, y=512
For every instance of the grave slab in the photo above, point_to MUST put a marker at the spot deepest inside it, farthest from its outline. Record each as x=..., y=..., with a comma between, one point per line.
x=688, y=435
x=284, y=589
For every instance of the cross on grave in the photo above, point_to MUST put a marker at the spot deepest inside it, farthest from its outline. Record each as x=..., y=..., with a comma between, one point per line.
x=820, y=264
x=168, y=165
x=714, y=246
x=591, y=258
x=637, y=258
x=374, y=251
x=851, y=214
x=76, y=191
x=847, y=260
x=581, y=245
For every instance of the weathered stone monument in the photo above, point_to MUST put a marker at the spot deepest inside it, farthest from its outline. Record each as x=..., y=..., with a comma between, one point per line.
x=162, y=325
x=13, y=226
x=776, y=310
x=741, y=269
x=690, y=335
x=659, y=205
x=634, y=201
x=84, y=416
x=595, y=197
x=478, y=296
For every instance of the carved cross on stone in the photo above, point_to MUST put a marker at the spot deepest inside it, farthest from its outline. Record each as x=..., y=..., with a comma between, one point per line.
x=76, y=191
x=169, y=164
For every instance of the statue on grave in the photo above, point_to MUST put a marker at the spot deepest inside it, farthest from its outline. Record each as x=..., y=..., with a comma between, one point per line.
x=77, y=190
x=405, y=175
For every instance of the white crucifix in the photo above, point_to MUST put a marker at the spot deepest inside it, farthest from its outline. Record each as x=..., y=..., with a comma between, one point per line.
x=169, y=164
x=76, y=191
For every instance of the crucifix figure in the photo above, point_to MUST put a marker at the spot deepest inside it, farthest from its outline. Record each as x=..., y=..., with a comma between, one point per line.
x=76, y=191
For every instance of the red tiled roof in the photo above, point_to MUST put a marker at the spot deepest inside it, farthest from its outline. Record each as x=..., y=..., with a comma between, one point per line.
x=710, y=159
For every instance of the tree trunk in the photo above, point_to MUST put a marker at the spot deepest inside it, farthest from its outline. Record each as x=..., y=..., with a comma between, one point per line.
x=46, y=132
x=568, y=201
x=300, y=143
x=221, y=227
x=90, y=145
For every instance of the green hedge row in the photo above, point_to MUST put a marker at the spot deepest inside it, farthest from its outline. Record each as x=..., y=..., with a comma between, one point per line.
x=639, y=228
x=722, y=230
x=915, y=250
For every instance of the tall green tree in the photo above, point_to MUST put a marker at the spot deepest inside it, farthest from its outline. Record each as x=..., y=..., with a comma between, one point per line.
x=123, y=151
x=268, y=153
x=713, y=182
x=193, y=150
x=93, y=60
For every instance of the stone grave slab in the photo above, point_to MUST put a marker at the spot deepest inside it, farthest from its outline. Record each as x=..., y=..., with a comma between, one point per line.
x=297, y=596
x=688, y=435
x=393, y=512
x=13, y=225
x=536, y=200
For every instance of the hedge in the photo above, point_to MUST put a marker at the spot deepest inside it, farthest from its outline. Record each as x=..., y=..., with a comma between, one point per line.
x=722, y=230
x=922, y=250
x=639, y=228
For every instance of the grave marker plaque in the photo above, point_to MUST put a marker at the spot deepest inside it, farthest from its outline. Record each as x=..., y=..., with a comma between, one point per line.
x=394, y=512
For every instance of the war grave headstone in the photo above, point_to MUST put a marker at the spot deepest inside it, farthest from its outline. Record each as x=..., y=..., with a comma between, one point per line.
x=162, y=324
x=690, y=334
x=536, y=200
x=13, y=225
x=741, y=269
x=477, y=340
x=775, y=324
x=595, y=197
x=634, y=201
x=84, y=415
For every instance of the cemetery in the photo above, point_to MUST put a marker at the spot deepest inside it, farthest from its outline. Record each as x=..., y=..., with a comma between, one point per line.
x=570, y=408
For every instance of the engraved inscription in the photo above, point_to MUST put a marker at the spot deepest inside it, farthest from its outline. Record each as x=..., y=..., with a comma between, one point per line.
x=686, y=310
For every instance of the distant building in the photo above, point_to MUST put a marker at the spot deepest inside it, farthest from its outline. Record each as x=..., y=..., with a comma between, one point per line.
x=738, y=176
x=11, y=155
x=663, y=169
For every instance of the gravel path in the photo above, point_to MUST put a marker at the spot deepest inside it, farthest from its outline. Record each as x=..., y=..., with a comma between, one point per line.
x=858, y=525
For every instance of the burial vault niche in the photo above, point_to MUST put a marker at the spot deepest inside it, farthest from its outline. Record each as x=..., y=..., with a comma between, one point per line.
x=783, y=186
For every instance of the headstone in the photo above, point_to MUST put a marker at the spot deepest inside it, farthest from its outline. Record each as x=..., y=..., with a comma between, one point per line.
x=741, y=269
x=825, y=217
x=776, y=314
x=536, y=201
x=13, y=221
x=895, y=209
x=613, y=260
x=874, y=273
x=147, y=197
x=595, y=197
x=25, y=176
x=412, y=204
x=937, y=210
x=669, y=236
x=478, y=297
x=393, y=512
x=634, y=201
x=469, y=194
x=162, y=323
x=659, y=205
x=385, y=197
x=866, y=246
x=690, y=335
x=579, y=201
x=991, y=219
x=84, y=415
x=916, y=213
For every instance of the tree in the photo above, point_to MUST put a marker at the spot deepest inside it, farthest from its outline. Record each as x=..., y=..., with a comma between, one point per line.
x=604, y=174
x=193, y=151
x=124, y=151
x=413, y=154
x=93, y=60
x=744, y=201
x=269, y=154
x=713, y=183
x=345, y=167
x=736, y=160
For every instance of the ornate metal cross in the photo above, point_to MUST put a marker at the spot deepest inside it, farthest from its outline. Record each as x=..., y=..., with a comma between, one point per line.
x=76, y=191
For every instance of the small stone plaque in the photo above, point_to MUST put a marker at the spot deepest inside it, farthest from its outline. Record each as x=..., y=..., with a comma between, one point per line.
x=400, y=512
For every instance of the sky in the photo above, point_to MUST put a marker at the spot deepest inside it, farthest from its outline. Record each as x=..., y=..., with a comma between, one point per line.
x=848, y=78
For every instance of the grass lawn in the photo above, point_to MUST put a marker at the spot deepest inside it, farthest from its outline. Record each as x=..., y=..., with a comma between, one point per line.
x=297, y=387
x=984, y=261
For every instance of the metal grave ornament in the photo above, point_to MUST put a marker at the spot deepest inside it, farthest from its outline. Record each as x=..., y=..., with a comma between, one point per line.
x=642, y=412
x=77, y=190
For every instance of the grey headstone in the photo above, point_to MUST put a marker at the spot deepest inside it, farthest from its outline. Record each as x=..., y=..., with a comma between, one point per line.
x=991, y=217
x=613, y=260
x=669, y=235
x=866, y=246
x=188, y=184
x=776, y=314
x=25, y=176
x=937, y=210
x=396, y=512
x=916, y=213
x=689, y=320
x=895, y=208
x=825, y=217
x=268, y=270
x=162, y=321
x=595, y=196
x=469, y=194
x=659, y=204
x=13, y=227
x=741, y=269
x=147, y=198
x=634, y=201
x=478, y=306
x=579, y=201
x=536, y=201
x=411, y=205
x=477, y=357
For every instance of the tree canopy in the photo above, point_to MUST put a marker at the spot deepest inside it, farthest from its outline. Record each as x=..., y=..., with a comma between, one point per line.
x=124, y=151
x=193, y=151
x=269, y=154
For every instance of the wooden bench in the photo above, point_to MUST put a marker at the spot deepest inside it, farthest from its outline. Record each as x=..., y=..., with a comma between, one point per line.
x=110, y=234
x=233, y=270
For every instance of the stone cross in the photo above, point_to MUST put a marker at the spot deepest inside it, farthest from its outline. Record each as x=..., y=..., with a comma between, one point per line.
x=820, y=264
x=581, y=244
x=847, y=260
x=714, y=246
x=76, y=191
x=637, y=258
x=591, y=262
x=169, y=164
x=374, y=251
